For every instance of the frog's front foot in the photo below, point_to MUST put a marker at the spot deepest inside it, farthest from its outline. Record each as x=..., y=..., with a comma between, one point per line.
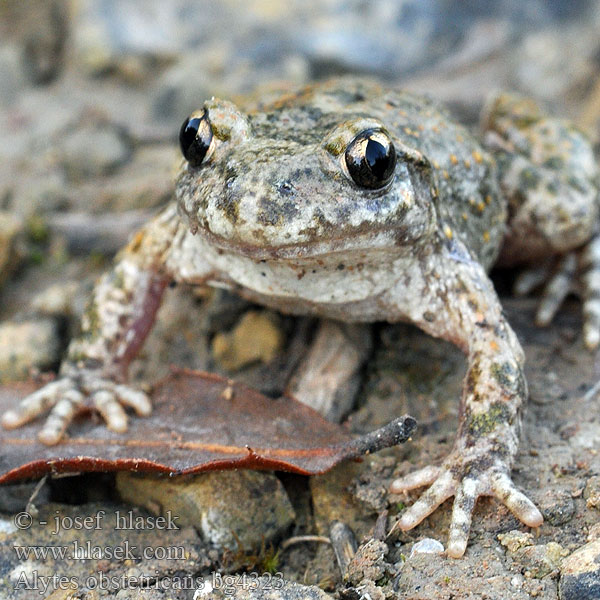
x=69, y=395
x=463, y=476
x=577, y=271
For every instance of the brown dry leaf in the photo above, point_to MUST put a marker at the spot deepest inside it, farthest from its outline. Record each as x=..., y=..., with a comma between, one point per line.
x=200, y=422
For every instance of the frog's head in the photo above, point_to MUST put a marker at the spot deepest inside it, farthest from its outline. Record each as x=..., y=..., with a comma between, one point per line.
x=301, y=181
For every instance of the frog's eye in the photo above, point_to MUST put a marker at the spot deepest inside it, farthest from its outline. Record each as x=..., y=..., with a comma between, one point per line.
x=371, y=159
x=195, y=136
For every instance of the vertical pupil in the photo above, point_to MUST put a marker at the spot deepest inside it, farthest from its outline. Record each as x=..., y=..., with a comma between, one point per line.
x=376, y=156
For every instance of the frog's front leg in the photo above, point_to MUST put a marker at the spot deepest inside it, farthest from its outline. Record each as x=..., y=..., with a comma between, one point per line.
x=117, y=319
x=461, y=306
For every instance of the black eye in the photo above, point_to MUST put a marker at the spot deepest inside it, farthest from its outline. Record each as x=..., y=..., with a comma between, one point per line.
x=371, y=159
x=195, y=136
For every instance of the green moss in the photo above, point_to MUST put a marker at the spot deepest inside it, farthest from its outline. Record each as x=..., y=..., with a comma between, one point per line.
x=37, y=229
x=486, y=422
x=270, y=561
x=503, y=374
x=36, y=256
x=93, y=319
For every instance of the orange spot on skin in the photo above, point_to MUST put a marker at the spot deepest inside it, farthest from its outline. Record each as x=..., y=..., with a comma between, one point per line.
x=494, y=346
x=453, y=159
x=486, y=236
x=468, y=163
x=136, y=242
x=477, y=157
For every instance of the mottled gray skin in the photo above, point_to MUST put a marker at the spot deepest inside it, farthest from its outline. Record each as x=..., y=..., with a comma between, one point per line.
x=273, y=214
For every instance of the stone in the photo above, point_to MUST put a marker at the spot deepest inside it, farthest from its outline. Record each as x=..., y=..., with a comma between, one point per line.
x=368, y=562
x=231, y=509
x=94, y=150
x=28, y=345
x=256, y=337
x=580, y=575
x=591, y=493
x=540, y=560
x=557, y=506
x=11, y=251
x=56, y=300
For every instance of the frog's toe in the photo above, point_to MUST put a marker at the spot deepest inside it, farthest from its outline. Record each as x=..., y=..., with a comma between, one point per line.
x=110, y=399
x=497, y=484
x=112, y=412
x=416, y=479
x=557, y=289
x=135, y=399
x=462, y=515
x=441, y=489
x=35, y=404
x=518, y=503
x=61, y=416
x=530, y=279
x=590, y=282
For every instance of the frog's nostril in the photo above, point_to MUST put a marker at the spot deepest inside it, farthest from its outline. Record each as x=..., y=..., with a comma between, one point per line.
x=286, y=188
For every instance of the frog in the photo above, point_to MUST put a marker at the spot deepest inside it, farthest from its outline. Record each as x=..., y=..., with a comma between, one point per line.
x=359, y=202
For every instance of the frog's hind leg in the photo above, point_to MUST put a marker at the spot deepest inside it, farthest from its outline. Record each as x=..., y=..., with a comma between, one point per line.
x=578, y=272
x=557, y=289
x=590, y=283
x=532, y=278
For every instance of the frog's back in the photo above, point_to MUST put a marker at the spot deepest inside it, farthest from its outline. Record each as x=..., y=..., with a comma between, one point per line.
x=470, y=206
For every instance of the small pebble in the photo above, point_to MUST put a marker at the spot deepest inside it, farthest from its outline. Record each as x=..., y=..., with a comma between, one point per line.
x=515, y=539
x=591, y=493
x=427, y=546
x=557, y=506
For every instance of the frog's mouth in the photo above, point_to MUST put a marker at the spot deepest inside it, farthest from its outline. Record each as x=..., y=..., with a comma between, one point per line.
x=396, y=240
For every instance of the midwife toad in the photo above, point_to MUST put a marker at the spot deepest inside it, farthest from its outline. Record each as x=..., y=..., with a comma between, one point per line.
x=355, y=202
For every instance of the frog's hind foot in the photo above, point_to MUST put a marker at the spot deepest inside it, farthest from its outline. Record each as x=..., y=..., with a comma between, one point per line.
x=444, y=483
x=577, y=271
x=66, y=397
